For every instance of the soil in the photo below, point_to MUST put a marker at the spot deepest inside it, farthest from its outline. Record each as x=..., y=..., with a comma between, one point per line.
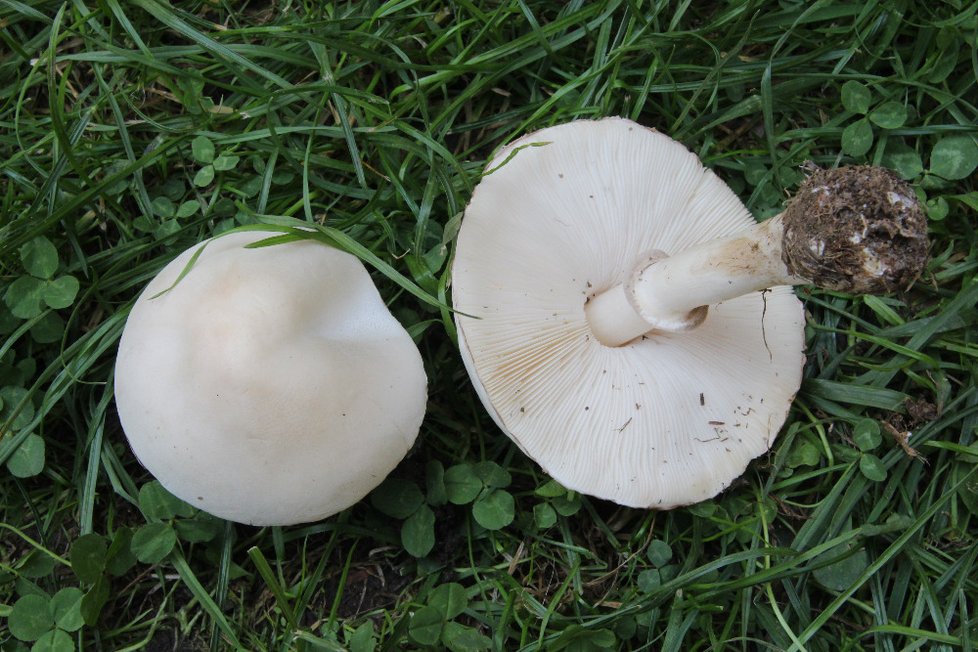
x=857, y=229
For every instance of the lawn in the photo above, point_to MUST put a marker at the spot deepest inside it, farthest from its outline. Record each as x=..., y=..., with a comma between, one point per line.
x=130, y=130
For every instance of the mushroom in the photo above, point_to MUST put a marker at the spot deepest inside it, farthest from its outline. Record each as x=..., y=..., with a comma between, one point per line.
x=267, y=385
x=628, y=324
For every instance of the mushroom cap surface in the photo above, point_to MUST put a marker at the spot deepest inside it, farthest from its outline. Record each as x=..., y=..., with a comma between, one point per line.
x=269, y=386
x=668, y=419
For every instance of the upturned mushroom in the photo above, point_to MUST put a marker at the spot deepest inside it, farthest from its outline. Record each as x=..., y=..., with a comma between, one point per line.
x=267, y=385
x=628, y=324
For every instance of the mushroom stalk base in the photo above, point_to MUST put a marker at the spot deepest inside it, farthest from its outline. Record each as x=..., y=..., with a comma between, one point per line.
x=673, y=293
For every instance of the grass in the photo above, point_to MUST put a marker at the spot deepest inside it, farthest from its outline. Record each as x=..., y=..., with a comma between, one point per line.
x=375, y=119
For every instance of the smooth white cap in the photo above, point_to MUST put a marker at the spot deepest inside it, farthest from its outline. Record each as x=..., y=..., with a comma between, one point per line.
x=269, y=386
x=669, y=419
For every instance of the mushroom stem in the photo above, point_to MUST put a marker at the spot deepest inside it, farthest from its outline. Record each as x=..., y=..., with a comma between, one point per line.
x=856, y=229
x=672, y=293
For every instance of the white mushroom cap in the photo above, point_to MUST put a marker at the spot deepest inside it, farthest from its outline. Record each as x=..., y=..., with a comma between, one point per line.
x=667, y=419
x=271, y=385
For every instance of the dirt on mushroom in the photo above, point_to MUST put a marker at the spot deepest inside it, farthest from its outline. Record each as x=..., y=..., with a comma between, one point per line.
x=857, y=229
